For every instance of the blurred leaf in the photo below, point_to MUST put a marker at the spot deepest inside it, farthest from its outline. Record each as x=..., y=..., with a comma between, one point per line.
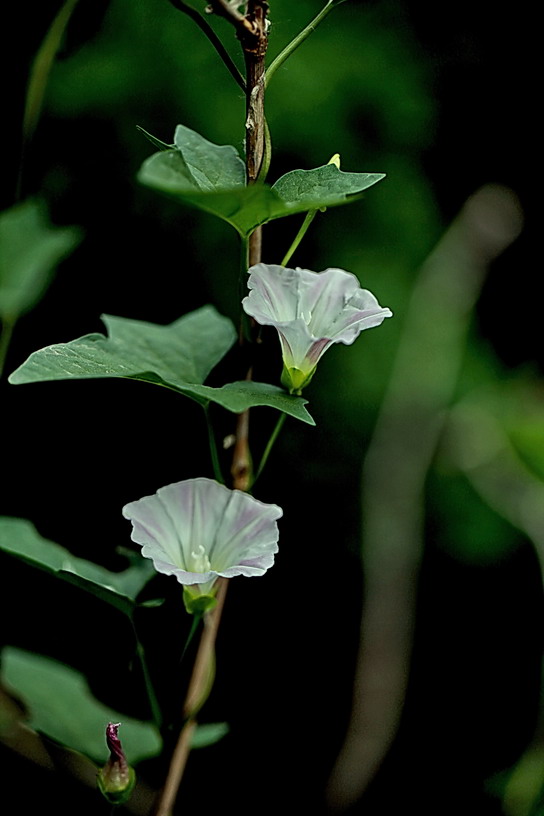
x=42, y=65
x=209, y=734
x=30, y=249
x=519, y=405
x=483, y=441
x=183, y=352
x=212, y=178
x=487, y=538
x=528, y=439
x=521, y=787
x=62, y=707
x=178, y=356
x=20, y=538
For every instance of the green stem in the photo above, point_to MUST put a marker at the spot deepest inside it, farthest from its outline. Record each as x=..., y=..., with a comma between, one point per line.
x=206, y=28
x=213, y=447
x=267, y=155
x=151, y=696
x=299, y=39
x=199, y=686
x=194, y=626
x=269, y=446
x=299, y=236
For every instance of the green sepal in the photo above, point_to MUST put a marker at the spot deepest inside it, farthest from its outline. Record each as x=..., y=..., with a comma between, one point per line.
x=294, y=380
x=198, y=604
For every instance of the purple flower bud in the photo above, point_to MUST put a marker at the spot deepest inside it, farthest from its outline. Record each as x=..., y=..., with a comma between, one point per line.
x=116, y=779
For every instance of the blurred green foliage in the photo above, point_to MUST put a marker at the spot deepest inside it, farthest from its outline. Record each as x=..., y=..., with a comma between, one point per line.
x=361, y=86
x=61, y=706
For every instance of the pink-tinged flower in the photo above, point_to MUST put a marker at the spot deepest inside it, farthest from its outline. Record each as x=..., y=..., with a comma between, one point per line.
x=199, y=530
x=311, y=311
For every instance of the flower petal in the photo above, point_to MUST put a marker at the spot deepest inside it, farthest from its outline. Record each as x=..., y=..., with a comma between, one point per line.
x=324, y=296
x=274, y=294
x=247, y=531
x=362, y=312
x=198, y=522
x=310, y=310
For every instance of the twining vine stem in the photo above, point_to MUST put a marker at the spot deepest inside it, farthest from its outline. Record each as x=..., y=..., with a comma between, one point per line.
x=199, y=685
x=205, y=27
x=254, y=40
x=252, y=32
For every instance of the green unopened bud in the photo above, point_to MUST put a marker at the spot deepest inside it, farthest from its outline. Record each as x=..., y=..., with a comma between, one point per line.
x=116, y=779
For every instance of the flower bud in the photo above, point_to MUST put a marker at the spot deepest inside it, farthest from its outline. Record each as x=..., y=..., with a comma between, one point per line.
x=116, y=779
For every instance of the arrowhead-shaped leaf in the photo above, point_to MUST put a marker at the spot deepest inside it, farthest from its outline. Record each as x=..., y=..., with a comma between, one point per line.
x=209, y=177
x=61, y=706
x=324, y=186
x=20, y=538
x=178, y=356
x=183, y=352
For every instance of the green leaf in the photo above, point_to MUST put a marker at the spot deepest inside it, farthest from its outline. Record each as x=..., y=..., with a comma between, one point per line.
x=183, y=352
x=211, y=178
x=20, y=538
x=207, y=176
x=239, y=396
x=30, y=249
x=209, y=734
x=208, y=167
x=62, y=707
x=325, y=186
x=178, y=357
x=242, y=207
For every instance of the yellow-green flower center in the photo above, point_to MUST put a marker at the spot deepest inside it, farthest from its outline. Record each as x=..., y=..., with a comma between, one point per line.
x=199, y=561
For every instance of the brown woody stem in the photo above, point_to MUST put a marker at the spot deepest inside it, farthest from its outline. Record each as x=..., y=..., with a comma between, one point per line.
x=196, y=694
x=254, y=40
x=251, y=29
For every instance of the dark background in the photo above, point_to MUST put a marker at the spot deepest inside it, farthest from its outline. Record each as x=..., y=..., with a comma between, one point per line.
x=439, y=98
